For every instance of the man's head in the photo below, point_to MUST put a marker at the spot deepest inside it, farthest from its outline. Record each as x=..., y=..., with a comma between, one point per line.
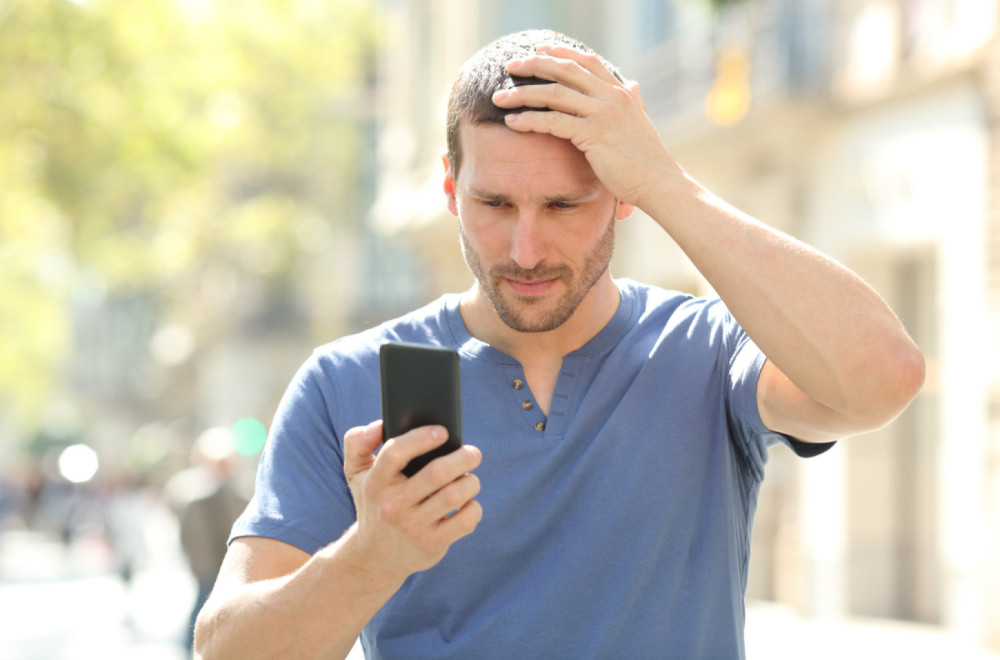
x=536, y=222
x=471, y=99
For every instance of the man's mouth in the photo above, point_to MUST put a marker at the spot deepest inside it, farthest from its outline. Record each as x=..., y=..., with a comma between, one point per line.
x=535, y=287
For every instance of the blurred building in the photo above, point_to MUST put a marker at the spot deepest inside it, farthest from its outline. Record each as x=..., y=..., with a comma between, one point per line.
x=866, y=128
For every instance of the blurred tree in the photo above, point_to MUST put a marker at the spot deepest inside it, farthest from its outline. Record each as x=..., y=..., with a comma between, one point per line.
x=143, y=145
x=719, y=5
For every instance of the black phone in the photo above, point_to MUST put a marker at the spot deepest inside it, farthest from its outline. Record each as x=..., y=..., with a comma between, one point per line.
x=421, y=386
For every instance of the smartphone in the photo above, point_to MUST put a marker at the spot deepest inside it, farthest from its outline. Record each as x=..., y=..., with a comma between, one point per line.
x=420, y=386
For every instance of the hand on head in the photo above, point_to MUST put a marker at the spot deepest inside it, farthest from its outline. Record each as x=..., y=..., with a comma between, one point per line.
x=601, y=116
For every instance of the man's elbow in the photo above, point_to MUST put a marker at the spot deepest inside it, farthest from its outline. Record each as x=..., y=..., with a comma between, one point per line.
x=898, y=378
x=203, y=632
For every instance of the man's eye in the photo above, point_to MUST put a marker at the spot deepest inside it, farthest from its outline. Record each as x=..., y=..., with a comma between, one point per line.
x=563, y=205
x=493, y=203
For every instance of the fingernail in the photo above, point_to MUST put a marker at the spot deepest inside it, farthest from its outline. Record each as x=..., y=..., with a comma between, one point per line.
x=500, y=95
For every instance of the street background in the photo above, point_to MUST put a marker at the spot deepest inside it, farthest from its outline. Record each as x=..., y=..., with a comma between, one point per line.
x=195, y=194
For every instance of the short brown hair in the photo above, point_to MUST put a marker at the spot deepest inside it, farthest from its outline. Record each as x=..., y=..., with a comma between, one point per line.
x=485, y=73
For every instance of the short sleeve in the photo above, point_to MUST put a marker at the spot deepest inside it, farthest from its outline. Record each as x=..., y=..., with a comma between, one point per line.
x=744, y=373
x=301, y=496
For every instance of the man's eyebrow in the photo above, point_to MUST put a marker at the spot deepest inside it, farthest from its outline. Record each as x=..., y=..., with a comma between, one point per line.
x=583, y=196
x=569, y=197
x=481, y=193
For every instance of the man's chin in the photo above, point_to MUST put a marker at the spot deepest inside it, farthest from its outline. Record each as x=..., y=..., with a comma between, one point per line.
x=531, y=323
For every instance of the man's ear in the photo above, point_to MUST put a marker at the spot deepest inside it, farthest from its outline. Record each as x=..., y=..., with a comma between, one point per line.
x=449, y=185
x=623, y=211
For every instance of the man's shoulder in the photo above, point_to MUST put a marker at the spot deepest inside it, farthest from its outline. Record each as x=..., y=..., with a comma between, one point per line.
x=650, y=299
x=429, y=324
x=665, y=311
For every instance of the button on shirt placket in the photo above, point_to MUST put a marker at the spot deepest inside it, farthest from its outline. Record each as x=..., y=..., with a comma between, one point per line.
x=527, y=404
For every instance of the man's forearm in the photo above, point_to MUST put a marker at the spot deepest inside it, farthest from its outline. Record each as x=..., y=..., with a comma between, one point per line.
x=821, y=324
x=317, y=611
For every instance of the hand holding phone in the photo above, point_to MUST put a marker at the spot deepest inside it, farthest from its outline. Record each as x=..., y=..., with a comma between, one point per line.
x=420, y=386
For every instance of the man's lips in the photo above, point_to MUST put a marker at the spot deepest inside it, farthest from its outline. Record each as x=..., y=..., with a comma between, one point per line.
x=531, y=287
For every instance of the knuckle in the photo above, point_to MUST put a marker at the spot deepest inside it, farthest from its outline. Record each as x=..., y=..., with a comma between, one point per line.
x=452, y=498
x=623, y=93
x=566, y=64
x=390, y=454
x=408, y=528
x=389, y=511
x=436, y=472
x=389, y=448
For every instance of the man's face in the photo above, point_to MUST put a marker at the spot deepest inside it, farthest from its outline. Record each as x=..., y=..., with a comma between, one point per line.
x=537, y=225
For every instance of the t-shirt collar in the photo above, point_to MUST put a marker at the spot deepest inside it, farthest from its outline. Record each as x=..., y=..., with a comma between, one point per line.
x=607, y=338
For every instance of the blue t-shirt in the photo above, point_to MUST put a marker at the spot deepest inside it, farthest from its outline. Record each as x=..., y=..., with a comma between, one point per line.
x=618, y=527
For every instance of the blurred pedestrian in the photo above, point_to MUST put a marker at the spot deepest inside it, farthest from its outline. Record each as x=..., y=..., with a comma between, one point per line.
x=208, y=503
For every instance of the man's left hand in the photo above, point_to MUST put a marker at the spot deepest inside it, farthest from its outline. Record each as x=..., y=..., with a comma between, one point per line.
x=602, y=117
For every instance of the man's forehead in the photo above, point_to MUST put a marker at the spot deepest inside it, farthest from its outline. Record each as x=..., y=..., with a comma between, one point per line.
x=497, y=133
x=494, y=148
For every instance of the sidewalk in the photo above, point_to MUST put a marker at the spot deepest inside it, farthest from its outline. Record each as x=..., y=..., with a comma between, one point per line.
x=59, y=603
x=91, y=617
x=63, y=605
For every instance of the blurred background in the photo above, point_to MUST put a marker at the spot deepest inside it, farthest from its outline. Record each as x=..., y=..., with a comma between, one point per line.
x=194, y=194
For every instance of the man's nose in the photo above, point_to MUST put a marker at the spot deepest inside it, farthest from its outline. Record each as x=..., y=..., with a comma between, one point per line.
x=527, y=247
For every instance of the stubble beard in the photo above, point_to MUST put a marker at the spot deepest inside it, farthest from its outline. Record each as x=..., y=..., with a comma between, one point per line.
x=515, y=311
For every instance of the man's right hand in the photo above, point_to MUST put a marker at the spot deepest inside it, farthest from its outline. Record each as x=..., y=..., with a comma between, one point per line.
x=275, y=600
x=406, y=524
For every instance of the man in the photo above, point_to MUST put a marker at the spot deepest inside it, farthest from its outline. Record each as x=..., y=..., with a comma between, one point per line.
x=207, y=503
x=618, y=432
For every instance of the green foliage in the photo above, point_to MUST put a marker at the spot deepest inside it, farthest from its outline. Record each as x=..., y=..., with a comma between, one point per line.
x=144, y=141
x=719, y=5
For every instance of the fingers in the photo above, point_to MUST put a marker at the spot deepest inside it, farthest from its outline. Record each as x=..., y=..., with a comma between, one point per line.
x=446, y=483
x=585, y=62
x=583, y=89
x=462, y=523
x=410, y=523
x=450, y=513
x=443, y=486
x=559, y=125
x=360, y=444
x=555, y=97
x=398, y=452
x=579, y=71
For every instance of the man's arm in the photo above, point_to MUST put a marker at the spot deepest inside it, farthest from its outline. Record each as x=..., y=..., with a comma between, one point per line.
x=274, y=600
x=839, y=362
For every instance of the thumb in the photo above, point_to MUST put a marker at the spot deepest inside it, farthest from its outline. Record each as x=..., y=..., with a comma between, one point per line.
x=360, y=444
